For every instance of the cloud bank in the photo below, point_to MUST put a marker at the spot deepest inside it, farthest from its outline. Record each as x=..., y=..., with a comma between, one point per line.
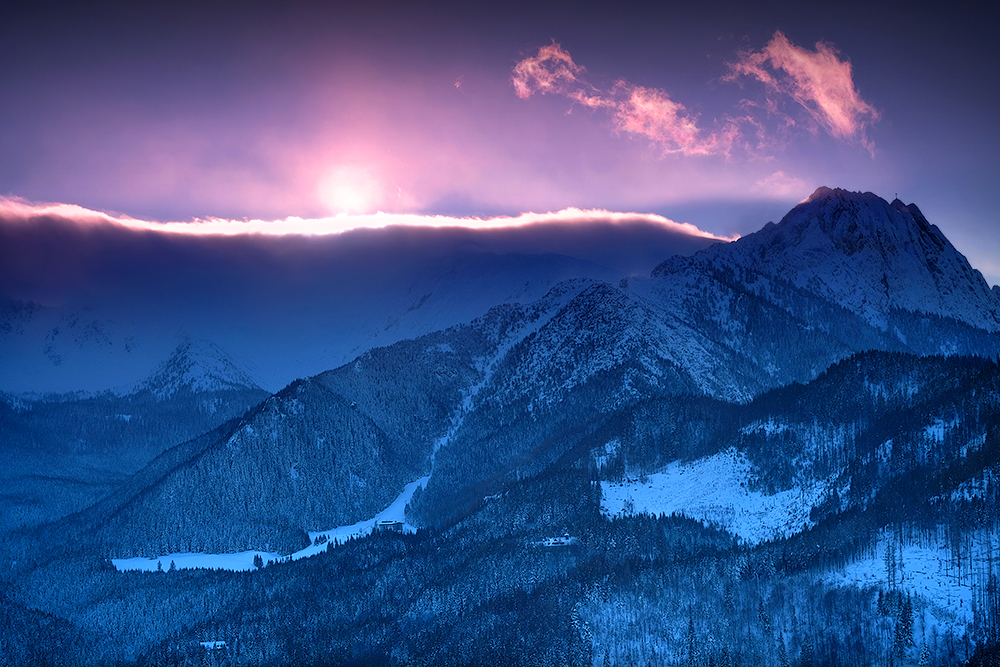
x=91, y=300
x=15, y=210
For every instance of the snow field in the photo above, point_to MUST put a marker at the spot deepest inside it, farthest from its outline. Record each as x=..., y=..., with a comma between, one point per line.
x=929, y=572
x=714, y=489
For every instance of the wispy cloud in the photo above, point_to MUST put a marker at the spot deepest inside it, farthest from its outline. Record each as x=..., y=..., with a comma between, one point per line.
x=780, y=185
x=819, y=81
x=551, y=71
x=638, y=110
x=19, y=211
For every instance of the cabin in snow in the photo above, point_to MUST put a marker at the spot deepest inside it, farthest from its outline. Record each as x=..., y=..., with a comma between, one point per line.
x=213, y=645
x=563, y=541
x=389, y=525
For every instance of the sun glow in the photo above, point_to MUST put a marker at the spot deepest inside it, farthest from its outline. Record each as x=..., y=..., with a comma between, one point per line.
x=350, y=189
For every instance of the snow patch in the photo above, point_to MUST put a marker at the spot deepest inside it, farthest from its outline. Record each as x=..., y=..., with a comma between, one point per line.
x=715, y=489
x=237, y=562
x=770, y=427
x=939, y=428
x=602, y=456
x=394, y=512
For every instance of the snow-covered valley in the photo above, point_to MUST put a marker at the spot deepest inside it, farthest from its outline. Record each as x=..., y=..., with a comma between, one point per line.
x=394, y=515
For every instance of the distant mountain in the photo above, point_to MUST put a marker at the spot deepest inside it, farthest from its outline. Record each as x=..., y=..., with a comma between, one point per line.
x=196, y=367
x=64, y=451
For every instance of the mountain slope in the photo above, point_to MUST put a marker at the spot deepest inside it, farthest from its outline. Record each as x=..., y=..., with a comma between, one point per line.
x=325, y=451
x=829, y=446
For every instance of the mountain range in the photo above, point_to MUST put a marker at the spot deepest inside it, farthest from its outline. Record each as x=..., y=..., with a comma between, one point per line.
x=98, y=308
x=780, y=449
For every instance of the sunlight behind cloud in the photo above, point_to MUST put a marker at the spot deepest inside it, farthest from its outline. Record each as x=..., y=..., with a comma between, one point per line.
x=14, y=210
x=779, y=184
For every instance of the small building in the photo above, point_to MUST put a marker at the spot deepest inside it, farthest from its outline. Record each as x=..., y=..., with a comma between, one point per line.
x=213, y=645
x=562, y=541
x=389, y=525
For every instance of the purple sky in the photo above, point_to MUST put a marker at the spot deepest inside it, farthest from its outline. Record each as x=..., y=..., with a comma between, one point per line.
x=721, y=115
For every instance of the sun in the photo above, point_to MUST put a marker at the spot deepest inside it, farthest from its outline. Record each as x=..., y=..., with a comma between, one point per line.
x=350, y=189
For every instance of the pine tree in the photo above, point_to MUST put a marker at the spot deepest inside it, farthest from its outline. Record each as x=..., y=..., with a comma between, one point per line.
x=925, y=655
x=904, y=628
x=782, y=654
x=692, y=648
x=890, y=565
x=806, y=657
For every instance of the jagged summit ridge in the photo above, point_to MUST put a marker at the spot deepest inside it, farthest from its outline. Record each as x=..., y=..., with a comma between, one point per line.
x=867, y=255
x=197, y=366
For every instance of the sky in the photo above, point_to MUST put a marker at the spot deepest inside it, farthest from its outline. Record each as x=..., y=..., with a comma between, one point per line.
x=721, y=115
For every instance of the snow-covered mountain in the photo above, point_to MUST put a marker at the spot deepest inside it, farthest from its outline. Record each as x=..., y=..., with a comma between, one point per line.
x=195, y=367
x=868, y=255
x=539, y=378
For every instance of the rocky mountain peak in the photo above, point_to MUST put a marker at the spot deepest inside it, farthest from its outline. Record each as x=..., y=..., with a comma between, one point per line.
x=869, y=256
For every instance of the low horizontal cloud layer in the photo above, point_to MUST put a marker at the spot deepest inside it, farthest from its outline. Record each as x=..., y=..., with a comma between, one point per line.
x=49, y=251
x=17, y=210
x=292, y=297
x=819, y=81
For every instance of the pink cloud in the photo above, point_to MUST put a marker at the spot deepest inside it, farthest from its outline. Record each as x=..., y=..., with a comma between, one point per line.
x=647, y=112
x=818, y=80
x=650, y=112
x=551, y=71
